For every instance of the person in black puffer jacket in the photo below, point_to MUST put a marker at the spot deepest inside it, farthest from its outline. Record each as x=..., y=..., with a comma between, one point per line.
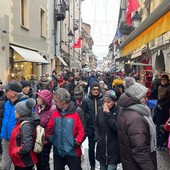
x=107, y=151
x=90, y=106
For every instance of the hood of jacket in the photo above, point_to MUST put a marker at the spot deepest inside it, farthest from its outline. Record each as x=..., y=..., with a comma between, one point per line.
x=47, y=96
x=125, y=101
x=19, y=98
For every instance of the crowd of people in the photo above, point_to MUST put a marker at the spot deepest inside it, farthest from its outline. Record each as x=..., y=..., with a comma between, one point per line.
x=111, y=112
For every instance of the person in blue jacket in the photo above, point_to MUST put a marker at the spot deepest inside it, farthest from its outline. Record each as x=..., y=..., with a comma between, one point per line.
x=13, y=93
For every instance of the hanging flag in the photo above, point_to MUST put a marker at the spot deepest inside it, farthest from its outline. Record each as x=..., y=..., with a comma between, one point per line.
x=117, y=44
x=118, y=34
x=78, y=43
x=131, y=7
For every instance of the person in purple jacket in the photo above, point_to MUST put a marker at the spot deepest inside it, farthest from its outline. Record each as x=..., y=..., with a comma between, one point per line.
x=44, y=109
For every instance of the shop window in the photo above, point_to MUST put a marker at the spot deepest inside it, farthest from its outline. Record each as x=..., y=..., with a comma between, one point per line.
x=22, y=69
x=42, y=23
x=25, y=13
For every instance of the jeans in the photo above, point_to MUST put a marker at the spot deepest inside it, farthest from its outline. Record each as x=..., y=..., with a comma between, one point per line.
x=160, y=138
x=91, y=151
x=108, y=167
x=44, y=157
x=74, y=163
x=6, y=160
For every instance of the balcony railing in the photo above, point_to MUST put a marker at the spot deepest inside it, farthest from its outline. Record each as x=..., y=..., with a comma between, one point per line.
x=60, y=11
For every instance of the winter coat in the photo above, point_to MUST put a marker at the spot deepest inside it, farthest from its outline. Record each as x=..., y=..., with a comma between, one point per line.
x=134, y=138
x=107, y=151
x=3, y=99
x=22, y=141
x=46, y=113
x=44, y=83
x=9, y=119
x=34, y=85
x=67, y=130
x=66, y=86
x=88, y=107
x=78, y=90
x=91, y=79
x=161, y=115
x=154, y=89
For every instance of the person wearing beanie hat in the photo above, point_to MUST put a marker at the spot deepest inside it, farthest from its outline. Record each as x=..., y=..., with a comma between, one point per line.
x=135, y=128
x=44, y=109
x=111, y=95
x=90, y=106
x=26, y=89
x=13, y=93
x=134, y=89
x=23, y=136
x=24, y=109
x=165, y=76
x=94, y=84
x=161, y=112
x=106, y=132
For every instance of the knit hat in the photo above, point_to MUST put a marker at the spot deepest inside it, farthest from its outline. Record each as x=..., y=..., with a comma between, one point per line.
x=165, y=76
x=14, y=86
x=134, y=89
x=94, y=84
x=25, y=83
x=110, y=94
x=24, y=108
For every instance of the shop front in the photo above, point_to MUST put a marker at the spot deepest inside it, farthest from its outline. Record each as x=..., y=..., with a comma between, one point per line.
x=25, y=62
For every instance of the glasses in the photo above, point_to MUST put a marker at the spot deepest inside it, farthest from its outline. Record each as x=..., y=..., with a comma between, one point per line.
x=95, y=89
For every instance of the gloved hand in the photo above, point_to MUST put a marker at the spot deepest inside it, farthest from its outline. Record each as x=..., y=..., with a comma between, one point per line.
x=76, y=144
x=159, y=107
x=162, y=129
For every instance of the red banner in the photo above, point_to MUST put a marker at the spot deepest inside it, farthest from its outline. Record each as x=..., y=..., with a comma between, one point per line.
x=78, y=43
x=131, y=7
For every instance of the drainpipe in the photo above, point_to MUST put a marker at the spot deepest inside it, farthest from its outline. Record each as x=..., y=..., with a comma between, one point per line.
x=69, y=56
x=58, y=32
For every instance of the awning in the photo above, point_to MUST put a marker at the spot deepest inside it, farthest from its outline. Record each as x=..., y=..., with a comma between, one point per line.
x=138, y=64
x=155, y=25
x=62, y=61
x=29, y=55
x=137, y=54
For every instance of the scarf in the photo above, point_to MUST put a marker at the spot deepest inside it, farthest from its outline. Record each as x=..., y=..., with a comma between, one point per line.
x=144, y=111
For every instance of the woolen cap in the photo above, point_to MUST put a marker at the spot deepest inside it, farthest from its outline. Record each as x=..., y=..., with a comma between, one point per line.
x=134, y=89
x=165, y=76
x=94, y=84
x=110, y=94
x=24, y=108
x=25, y=83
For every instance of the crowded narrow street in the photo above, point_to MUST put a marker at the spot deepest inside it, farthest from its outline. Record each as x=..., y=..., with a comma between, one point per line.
x=85, y=85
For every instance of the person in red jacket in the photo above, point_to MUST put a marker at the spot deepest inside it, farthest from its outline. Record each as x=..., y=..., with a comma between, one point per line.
x=67, y=130
x=23, y=136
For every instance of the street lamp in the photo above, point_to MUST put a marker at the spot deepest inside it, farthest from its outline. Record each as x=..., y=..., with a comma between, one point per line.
x=70, y=38
x=136, y=19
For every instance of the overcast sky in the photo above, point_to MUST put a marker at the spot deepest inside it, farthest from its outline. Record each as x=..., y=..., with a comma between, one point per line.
x=102, y=15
